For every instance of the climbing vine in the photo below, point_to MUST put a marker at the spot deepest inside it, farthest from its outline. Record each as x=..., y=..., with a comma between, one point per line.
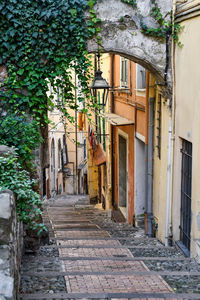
x=131, y=2
x=19, y=131
x=28, y=203
x=41, y=41
x=165, y=27
x=43, y=44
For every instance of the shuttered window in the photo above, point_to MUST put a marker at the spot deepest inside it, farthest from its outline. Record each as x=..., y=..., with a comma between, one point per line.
x=140, y=77
x=124, y=72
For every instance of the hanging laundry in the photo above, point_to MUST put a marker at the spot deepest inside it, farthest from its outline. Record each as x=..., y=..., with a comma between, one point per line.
x=92, y=137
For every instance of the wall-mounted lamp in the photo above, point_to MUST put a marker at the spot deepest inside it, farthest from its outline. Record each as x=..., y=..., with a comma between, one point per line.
x=100, y=84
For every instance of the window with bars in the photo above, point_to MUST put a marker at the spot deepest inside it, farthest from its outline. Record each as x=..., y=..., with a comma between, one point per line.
x=140, y=77
x=124, y=72
x=159, y=125
x=186, y=193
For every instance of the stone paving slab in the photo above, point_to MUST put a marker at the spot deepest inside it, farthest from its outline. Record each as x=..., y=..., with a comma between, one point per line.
x=81, y=234
x=88, y=242
x=94, y=252
x=103, y=266
x=105, y=270
x=69, y=220
x=75, y=226
x=116, y=284
x=104, y=283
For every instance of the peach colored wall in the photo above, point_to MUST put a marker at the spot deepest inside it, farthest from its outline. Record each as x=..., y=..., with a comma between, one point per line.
x=122, y=109
x=134, y=107
x=126, y=102
x=141, y=122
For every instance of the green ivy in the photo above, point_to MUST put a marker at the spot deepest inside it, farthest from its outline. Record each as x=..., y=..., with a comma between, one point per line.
x=28, y=203
x=42, y=44
x=19, y=131
x=164, y=28
x=131, y=2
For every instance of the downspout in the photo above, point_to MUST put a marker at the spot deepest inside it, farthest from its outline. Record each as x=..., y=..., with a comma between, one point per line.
x=150, y=167
x=112, y=132
x=96, y=120
x=76, y=138
x=168, y=194
x=146, y=150
x=168, y=225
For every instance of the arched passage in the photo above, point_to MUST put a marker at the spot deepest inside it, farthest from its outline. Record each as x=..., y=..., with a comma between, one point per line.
x=121, y=33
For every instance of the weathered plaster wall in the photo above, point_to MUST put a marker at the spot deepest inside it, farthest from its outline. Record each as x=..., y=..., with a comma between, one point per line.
x=11, y=233
x=125, y=37
x=11, y=242
x=187, y=124
x=160, y=167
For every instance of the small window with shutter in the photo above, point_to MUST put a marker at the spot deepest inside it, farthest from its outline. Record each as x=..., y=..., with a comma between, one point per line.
x=140, y=77
x=124, y=73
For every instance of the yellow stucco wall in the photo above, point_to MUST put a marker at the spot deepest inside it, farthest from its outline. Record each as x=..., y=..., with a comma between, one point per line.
x=92, y=168
x=187, y=124
x=160, y=165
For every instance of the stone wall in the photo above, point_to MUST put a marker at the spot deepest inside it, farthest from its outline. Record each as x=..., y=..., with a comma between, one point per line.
x=11, y=245
x=121, y=33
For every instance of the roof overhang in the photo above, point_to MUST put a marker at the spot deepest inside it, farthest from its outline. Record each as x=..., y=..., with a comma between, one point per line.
x=117, y=120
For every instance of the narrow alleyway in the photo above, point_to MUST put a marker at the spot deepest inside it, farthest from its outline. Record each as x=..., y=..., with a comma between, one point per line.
x=92, y=257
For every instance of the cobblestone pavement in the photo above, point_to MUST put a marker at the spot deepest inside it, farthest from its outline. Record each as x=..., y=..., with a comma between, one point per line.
x=91, y=257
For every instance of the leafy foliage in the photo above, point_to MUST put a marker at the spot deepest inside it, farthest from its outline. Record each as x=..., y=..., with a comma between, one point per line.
x=42, y=44
x=165, y=27
x=19, y=131
x=43, y=40
x=131, y=2
x=14, y=178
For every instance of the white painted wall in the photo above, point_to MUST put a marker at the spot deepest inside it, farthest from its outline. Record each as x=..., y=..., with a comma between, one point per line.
x=139, y=177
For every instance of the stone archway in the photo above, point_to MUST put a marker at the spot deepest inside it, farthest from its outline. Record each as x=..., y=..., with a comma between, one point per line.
x=121, y=33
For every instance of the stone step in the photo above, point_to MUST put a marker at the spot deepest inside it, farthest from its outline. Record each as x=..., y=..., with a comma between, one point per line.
x=121, y=273
x=110, y=296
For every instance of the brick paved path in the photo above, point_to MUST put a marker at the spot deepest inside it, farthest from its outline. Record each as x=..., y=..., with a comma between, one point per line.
x=96, y=265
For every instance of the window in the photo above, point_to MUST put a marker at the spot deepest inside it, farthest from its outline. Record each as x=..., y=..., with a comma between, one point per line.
x=59, y=98
x=124, y=72
x=85, y=151
x=56, y=99
x=186, y=194
x=59, y=155
x=140, y=77
x=65, y=151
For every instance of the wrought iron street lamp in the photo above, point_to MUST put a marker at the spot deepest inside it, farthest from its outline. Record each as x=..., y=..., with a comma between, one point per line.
x=100, y=84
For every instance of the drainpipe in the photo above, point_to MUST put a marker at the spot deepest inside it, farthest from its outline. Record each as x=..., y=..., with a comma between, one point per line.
x=150, y=167
x=76, y=139
x=168, y=194
x=112, y=133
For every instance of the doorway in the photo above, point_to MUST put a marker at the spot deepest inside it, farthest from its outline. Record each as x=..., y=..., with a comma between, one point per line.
x=123, y=186
x=53, y=167
x=186, y=192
